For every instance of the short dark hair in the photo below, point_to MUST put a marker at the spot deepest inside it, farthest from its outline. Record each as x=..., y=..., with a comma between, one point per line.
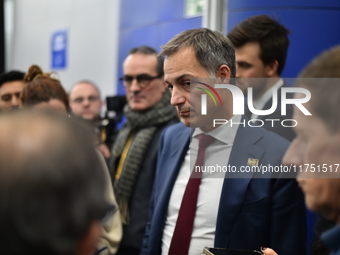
x=321, y=77
x=269, y=33
x=51, y=183
x=11, y=76
x=147, y=50
x=212, y=48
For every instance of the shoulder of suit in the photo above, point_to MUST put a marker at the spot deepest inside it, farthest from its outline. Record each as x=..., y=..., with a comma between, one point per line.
x=176, y=130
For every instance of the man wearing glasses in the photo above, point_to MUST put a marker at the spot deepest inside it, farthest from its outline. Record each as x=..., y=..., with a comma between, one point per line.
x=85, y=100
x=134, y=153
x=85, y=103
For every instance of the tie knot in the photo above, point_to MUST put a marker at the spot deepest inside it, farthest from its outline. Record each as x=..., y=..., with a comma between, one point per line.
x=205, y=140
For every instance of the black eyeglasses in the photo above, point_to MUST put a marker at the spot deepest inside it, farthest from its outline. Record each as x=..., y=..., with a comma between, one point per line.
x=143, y=80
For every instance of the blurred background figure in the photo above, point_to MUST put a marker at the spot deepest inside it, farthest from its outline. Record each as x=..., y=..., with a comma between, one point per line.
x=317, y=143
x=11, y=84
x=42, y=90
x=52, y=186
x=85, y=103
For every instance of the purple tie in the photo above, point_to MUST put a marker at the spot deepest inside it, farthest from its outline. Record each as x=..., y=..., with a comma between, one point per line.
x=181, y=238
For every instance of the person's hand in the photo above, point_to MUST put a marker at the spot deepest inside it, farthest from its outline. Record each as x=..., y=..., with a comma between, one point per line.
x=268, y=251
x=104, y=150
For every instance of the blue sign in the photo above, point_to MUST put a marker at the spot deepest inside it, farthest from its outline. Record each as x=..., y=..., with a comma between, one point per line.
x=59, y=49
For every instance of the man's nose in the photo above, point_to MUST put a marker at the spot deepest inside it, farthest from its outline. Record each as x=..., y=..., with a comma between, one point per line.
x=15, y=101
x=134, y=86
x=177, y=97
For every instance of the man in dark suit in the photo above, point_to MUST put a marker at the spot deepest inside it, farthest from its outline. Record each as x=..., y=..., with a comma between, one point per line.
x=134, y=154
x=245, y=212
x=261, y=45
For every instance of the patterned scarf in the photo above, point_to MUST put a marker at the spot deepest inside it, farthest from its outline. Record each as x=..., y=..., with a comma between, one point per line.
x=143, y=124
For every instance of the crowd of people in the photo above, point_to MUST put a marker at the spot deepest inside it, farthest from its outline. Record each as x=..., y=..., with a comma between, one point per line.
x=64, y=191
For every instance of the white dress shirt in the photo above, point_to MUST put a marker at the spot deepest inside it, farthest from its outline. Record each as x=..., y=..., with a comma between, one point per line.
x=209, y=192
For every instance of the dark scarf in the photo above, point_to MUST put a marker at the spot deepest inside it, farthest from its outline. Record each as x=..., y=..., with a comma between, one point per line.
x=143, y=125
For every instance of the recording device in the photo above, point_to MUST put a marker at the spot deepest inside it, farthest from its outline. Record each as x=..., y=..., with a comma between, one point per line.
x=113, y=117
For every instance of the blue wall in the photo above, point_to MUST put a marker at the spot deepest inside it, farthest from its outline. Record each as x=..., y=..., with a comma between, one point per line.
x=150, y=22
x=314, y=25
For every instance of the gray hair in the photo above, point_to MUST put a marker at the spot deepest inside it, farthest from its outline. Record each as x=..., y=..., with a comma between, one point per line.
x=93, y=84
x=212, y=48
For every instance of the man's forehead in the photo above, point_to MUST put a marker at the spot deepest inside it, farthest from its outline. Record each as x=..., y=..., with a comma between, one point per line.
x=82, y=89
x=12, y=87
x=250, y=49
x=140, y=60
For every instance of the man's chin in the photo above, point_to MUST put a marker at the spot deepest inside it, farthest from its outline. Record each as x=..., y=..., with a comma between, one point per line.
x=139, y=107
x=88, y=117
x=185, y=121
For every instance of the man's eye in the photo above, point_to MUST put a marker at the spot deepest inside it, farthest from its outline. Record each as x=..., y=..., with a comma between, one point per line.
x=170, y=87
x=6, y=98
x=78, y=100
x=186, y=85
x=244, y=65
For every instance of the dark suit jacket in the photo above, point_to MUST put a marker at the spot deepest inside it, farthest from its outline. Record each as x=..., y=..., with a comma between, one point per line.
x=139, y=202
x=286, y=132
x=253, y=212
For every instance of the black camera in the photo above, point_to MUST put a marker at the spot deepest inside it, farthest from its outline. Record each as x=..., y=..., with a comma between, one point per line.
x=113, y=116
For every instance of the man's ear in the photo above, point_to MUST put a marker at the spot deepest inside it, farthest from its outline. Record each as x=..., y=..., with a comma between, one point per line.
x=88, y=244
x=271, y=69
x=223, y=72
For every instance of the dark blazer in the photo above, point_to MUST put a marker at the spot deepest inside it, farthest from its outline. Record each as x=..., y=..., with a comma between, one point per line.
x=286, y=132
x=139, y=202
x=253, y=212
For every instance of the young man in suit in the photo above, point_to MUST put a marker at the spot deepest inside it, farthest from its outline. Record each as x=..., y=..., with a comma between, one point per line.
x=261, y=45
x=192, y=210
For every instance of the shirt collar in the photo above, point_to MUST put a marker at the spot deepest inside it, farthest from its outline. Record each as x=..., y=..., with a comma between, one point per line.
x=331, y=238
x=260, y=103
x=225, y=133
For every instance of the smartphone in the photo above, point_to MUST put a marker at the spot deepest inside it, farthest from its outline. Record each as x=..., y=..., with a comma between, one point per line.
x=227, y=251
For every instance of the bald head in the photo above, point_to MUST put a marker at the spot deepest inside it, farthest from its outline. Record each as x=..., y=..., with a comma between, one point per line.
x=51, y=181
x=85, y=100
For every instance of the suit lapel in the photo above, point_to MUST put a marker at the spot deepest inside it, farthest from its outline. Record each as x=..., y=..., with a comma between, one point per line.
x=234, y=189
x=177, y=155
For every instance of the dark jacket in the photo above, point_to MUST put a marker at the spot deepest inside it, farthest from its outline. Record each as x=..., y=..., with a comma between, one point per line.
x=139, y=202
